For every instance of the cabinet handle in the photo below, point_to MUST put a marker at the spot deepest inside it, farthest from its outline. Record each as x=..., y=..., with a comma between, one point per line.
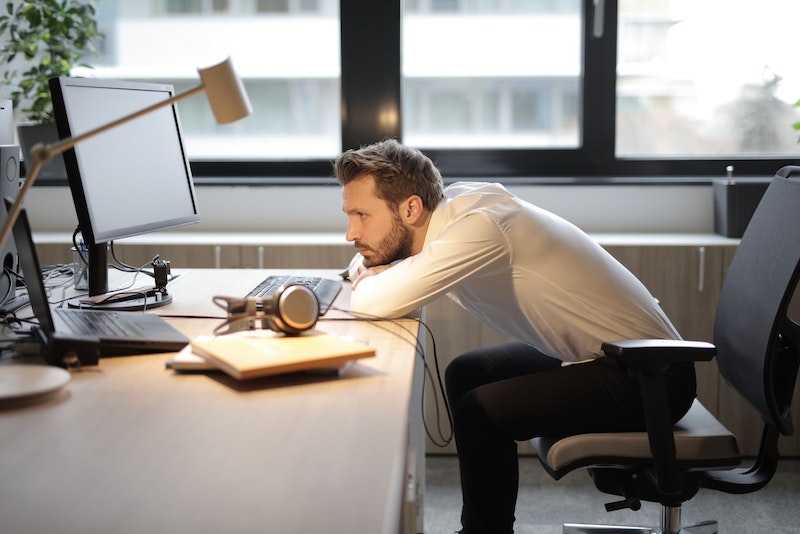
x=217, y=256
x=599, y=18
x=701, y=266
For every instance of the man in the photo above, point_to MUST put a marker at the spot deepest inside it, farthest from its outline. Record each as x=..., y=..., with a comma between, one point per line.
x=526, y=272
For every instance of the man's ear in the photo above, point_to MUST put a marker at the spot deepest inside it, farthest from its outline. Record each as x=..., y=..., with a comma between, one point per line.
x=411, y=209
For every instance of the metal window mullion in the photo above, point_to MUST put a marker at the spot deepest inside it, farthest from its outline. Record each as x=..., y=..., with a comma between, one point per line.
x=370, y=73
x=598, y=119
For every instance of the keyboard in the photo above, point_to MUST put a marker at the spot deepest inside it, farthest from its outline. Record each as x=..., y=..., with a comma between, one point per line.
x=97, y=323
x=325, y=289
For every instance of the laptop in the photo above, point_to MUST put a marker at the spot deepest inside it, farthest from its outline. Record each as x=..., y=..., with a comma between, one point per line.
x=118, y=332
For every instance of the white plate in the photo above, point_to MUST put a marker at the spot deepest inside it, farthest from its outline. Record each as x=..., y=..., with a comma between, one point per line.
x=20, y=381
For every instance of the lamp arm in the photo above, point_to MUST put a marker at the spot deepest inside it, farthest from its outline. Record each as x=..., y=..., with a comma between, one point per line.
x=11, y=217
x=41, y=154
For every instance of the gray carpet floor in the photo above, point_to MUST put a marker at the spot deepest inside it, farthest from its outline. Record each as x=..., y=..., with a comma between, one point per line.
x=543, y=504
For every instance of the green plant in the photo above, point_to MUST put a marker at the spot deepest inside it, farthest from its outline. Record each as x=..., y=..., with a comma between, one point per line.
x=796, y=125
x=51, y=36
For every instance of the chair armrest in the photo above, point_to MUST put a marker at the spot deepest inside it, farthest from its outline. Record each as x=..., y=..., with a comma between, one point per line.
x=635, y=352
x=647, y=360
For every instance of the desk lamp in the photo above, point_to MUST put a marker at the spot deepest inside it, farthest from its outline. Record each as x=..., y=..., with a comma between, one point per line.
x=226, y=96
x=229, y=103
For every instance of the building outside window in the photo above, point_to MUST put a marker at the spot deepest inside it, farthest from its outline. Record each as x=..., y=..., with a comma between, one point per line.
x=492, y=74
x=290, y=66
x=707, y=78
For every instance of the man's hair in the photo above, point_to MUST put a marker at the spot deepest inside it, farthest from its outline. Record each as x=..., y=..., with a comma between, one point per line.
x=399, y=172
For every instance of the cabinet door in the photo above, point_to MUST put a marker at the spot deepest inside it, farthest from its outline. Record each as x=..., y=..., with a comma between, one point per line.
x=296, y=256
x=181, y=256
x=53, y=253
x=686, y=281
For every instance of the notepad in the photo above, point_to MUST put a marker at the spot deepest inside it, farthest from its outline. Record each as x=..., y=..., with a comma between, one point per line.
x=245, y=357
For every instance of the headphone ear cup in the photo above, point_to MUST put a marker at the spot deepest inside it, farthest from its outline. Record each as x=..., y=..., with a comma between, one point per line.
x=294, y=309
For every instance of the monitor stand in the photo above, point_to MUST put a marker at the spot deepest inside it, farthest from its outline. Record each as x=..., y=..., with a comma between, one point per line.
x=100, y=299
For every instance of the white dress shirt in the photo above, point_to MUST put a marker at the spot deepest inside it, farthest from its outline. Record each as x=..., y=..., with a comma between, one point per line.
x=525, y=271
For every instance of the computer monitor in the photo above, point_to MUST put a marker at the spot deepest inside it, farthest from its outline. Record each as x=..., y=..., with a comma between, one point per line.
x=130, y=180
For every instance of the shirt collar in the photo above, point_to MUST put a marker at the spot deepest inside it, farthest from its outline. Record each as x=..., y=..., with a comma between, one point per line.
x=437, y=222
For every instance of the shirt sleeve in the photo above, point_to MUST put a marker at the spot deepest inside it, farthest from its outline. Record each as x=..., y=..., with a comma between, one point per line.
x=470, y=246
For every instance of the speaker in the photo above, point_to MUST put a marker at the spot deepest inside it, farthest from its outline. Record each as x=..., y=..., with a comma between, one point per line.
x=10, y=182
x=6, y=123
x=735, y=203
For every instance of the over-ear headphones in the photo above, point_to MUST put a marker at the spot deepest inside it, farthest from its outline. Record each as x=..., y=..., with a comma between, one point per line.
x=291, y=309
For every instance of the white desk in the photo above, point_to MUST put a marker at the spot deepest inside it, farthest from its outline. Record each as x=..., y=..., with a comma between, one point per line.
x=129, y=447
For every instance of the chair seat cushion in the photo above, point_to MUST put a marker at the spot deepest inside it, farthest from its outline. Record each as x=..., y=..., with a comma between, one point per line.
x=700, y=441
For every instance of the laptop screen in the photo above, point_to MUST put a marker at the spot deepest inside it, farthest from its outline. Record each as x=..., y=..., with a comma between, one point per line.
x=31, y=271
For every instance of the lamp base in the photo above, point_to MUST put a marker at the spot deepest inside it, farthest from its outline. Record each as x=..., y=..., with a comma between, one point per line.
x=24, y=382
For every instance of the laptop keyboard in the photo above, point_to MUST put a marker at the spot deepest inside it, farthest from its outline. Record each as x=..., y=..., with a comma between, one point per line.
x=100, y=324
x=324, y=288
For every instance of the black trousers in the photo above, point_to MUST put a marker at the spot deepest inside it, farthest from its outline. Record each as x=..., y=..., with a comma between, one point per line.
x=513, y=392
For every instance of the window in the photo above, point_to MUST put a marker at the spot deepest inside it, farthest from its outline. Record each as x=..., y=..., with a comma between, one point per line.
x=290, y=68
x=507, y=66
x=272, y=6
x=183, y=6
x=707, y=78
x=487, y=88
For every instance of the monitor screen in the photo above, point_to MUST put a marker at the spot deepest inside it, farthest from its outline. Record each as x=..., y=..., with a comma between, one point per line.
x=134, y=178
x=31, y=270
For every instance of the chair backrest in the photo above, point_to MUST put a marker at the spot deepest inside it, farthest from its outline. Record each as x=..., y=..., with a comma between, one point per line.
x=756, y=342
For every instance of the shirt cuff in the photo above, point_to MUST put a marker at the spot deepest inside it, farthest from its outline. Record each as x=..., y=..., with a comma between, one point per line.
x=355, y=265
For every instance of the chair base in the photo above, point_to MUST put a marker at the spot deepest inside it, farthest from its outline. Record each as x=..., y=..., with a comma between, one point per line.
x=706, y=527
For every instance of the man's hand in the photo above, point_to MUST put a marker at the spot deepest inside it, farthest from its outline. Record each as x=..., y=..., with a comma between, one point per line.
x=364, y=272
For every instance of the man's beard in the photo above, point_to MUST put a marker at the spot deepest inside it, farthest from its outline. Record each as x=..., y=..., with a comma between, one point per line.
x=395, y=246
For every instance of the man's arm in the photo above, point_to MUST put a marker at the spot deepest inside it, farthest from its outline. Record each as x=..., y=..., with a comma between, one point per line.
x=469, y=247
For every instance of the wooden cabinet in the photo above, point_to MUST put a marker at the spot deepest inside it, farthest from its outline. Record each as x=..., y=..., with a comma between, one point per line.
x=686, y=280
x=293, y=256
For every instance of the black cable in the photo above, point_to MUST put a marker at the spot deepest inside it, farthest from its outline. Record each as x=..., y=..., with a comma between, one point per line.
x=426, y=367
x=357, y=316
x=435, y=357
x=28, y=320
x=71, y=297
x=14, y=273
x=119, y=262
x=210, y=317
x=124, y=267
x=12, y=286
x=77, y=248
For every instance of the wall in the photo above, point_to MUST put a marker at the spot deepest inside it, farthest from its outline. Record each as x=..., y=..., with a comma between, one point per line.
x=618, y=208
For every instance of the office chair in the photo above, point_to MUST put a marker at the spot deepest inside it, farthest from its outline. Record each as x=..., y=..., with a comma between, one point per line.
x=757, y=347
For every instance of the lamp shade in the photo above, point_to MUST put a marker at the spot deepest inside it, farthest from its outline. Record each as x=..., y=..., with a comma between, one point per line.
x=225, y=92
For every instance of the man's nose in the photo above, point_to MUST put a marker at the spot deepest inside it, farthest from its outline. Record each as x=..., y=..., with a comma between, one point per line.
x=352, y=232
